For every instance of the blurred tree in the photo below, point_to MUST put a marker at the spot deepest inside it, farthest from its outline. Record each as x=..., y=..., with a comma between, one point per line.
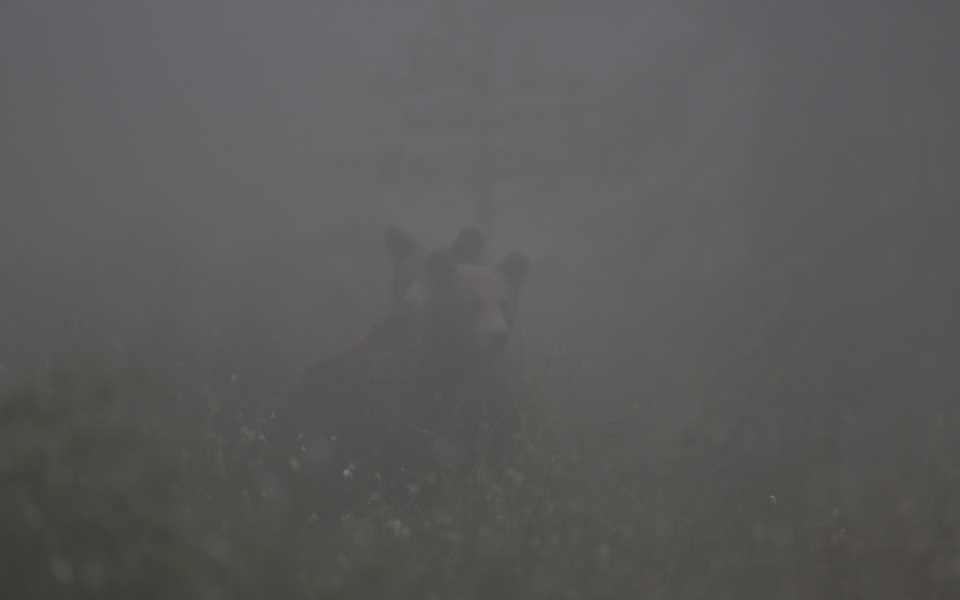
x=848, y=173
x=480, y=108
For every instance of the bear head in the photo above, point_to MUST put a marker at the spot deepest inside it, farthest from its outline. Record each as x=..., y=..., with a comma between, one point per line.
x=468, y=310
x=409, y=260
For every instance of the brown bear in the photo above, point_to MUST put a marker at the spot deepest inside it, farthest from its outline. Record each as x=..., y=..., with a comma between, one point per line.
x=409, y=259
x=410, y=399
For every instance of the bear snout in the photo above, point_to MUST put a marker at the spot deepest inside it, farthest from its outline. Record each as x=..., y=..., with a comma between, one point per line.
x=492, y=342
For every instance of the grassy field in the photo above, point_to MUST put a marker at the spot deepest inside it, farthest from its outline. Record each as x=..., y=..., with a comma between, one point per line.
x=99, y=499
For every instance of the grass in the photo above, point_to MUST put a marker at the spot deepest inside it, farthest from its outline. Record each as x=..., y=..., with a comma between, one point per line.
x=98, y=501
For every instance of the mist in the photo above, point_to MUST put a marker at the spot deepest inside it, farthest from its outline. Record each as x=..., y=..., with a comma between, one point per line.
x=742, y=221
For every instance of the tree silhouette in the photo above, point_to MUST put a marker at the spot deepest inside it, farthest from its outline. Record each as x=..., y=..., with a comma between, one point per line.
x=479, y=107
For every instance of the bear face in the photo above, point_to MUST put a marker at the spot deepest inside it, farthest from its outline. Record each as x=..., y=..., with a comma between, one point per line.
x=409, y=259
x=469, y=309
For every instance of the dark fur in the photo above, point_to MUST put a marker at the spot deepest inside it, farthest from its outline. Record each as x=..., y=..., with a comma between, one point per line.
x=409, y=258
x=409, y=400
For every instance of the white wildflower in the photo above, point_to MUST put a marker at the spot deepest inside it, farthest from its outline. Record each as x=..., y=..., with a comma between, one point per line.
x=62, y=569
x=395, y=526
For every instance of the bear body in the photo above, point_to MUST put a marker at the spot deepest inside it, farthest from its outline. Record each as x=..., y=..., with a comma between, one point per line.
x=409, y=400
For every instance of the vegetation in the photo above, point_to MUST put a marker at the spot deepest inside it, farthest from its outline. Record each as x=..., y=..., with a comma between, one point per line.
x=98, y=501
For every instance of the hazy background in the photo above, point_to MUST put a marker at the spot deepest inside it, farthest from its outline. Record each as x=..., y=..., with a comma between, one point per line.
x=749, y=208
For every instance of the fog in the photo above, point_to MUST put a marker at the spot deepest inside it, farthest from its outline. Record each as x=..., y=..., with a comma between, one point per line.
x=742, y=217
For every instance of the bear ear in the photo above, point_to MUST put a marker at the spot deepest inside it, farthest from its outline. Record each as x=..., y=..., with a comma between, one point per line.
x=514, y=268
x=398, y=243
x=468, y=246
x=441, y=267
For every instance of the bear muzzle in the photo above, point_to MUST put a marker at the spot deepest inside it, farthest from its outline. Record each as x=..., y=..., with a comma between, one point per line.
x=492, y=342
